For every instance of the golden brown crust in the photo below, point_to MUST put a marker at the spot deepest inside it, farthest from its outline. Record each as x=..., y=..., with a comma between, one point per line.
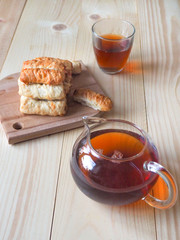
x=42, y=76
x=49, y=63
x=46, y=70
x=92, y=99
x=67, y=64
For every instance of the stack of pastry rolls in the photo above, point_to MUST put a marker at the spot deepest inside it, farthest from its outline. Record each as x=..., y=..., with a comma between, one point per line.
x=44, y=84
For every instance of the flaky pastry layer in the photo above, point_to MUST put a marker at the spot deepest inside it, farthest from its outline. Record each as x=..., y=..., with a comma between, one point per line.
x=45, y=70
x=43, y=107
x=92, y=99
x=76, y=67
x=42, y=91
x=42, y=76
x=48, y=63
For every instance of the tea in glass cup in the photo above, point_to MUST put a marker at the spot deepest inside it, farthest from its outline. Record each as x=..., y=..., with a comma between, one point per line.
x=115, y=162
x=112, y=43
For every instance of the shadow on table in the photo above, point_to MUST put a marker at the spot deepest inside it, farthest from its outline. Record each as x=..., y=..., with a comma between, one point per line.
x=136, y=67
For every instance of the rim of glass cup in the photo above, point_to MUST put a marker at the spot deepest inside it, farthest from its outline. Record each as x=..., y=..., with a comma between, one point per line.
x=123, y=159
x=114, y=40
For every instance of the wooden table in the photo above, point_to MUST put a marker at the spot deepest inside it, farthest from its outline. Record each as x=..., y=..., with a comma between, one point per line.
x=38, y=197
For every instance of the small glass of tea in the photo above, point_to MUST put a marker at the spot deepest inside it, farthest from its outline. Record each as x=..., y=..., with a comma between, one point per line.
x=112, y=43
x=115, y=162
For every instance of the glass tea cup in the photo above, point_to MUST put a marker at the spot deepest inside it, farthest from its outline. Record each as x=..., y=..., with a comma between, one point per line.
x=115, y=162
x=112, y=43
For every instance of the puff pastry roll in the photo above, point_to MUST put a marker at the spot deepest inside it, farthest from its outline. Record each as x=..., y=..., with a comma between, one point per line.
x=43, y=107
x=46, y=63
x=44, y=84
x=42, y=91
x=92, y=99
x=45, y=70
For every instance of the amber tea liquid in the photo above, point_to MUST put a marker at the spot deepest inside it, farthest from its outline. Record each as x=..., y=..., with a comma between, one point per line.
x=112, y=54
x=115, y=182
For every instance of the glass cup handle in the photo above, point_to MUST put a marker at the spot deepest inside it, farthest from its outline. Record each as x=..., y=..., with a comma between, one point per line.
x=170, y=182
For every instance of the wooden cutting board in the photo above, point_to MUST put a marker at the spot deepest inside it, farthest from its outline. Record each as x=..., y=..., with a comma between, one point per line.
x=20, y=127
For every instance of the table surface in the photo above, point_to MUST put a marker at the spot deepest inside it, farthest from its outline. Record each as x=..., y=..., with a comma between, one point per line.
x=38, y=197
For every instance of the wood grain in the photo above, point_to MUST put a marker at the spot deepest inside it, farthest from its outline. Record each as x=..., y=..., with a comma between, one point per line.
x=39, y=199
x=21, y=127
x=30, y=170
x=160, y=23
x=75, y=214
x=37, y=36
x=10, y=13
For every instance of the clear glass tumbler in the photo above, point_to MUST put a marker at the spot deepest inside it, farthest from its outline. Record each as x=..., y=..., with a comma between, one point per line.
x=112, y=43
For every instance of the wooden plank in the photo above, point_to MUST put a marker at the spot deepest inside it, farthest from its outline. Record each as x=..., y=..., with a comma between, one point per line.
x=46, y=32
x=10, y=13
x=28, y=184
x=159, y=28
x=21, y=127
x=75, y=214
x=29, y=171
x=78, y=216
